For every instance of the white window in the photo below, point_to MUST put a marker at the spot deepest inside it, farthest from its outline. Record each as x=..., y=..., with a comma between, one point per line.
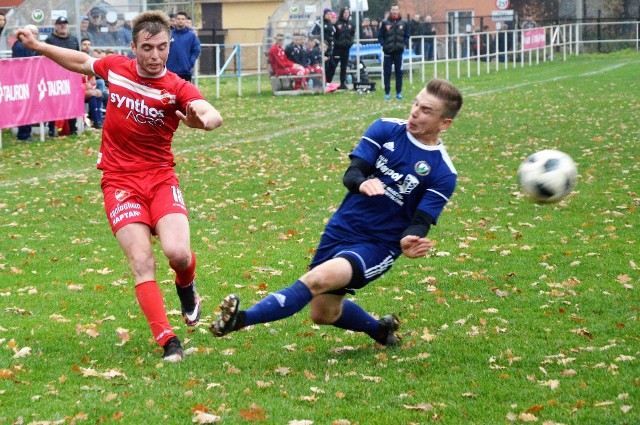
x=458, y=20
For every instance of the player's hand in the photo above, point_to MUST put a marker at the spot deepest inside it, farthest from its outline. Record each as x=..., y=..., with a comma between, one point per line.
x=191, y=119
x=415, y=246
x=372, y=187
x=27, y=38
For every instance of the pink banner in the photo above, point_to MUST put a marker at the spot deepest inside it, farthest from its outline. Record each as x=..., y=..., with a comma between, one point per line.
x=533, y=38
x=34, y=90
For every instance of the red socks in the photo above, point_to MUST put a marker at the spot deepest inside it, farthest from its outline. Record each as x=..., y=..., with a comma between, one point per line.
x=185, y=277
x=152, y=304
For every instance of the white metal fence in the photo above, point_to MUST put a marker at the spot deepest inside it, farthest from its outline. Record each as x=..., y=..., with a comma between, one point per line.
x=454, y=54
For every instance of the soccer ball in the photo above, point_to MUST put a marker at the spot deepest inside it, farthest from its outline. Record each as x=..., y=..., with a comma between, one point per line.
x=548, y=175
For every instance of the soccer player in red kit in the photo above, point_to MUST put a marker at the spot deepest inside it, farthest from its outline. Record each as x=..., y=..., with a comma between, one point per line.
x=141, y=191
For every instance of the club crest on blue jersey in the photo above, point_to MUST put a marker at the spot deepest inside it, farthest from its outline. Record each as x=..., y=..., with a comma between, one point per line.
x=422, y=168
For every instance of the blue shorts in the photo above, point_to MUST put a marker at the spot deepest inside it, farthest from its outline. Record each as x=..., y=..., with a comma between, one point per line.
x=368, y=260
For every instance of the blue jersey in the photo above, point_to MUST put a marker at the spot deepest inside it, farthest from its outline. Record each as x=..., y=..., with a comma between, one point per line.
x=415, y=176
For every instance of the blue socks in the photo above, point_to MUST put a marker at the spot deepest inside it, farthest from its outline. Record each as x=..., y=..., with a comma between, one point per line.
x=291, y=300
x=354, y=318
x=279, y=305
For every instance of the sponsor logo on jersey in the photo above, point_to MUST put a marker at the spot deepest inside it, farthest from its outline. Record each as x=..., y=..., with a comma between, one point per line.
x=422, y=168
x=381, y=164
x=137, y=103
x=390, y=146
x=125, y=211
x=410, y=182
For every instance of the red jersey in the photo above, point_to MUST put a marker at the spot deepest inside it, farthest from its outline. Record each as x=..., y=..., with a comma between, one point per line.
x=279, y=61
x=141, y=115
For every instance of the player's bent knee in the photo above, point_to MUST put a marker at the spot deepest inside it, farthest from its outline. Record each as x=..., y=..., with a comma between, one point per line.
x=178, y=257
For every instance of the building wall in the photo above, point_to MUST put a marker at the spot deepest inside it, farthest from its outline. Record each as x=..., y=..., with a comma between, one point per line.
x=438, y=10
x=245, y=21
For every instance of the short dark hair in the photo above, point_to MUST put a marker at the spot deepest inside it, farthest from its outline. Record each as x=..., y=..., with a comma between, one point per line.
x=448, y=94
x=153, y=22
x=183, y=14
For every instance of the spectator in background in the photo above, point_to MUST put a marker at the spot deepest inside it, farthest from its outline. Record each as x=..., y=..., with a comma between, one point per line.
x=84, y=29
x=345, y=32
x=281, y=65
x=124, y=32
x=375, y=27
x=3, y=35
x=19, y=51
x=428, y=42
x=98, y=53
x=62, y=38
x=326, y=30
x=296, y=51
x=184, y=50
x=96, y=29
x=528, y=22
x=101, y=85
x=394, y=38
x=314, y=60
x=85, y=45
x=503, y=40
x=93, y=98
x=365, y=30
x=415, y=29
x=114, y=36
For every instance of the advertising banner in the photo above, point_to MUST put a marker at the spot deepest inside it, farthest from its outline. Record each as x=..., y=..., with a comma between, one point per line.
x=34, y=90
x=533, y=38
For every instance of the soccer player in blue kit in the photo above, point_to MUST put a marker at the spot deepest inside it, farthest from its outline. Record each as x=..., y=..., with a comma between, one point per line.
x=399, y=181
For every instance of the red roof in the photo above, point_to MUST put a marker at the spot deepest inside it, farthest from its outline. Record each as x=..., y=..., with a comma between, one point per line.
x=8, y=4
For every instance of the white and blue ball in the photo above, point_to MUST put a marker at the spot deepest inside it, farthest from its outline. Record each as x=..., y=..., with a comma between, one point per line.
x=548, y=175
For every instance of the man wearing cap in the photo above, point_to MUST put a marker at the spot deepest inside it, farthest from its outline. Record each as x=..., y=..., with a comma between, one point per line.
x=61, y=37
x=328, y=32
x=97, y=18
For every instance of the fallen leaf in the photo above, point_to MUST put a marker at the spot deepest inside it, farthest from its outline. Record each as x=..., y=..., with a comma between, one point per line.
x=423, y=407
x=205, y=418
x=22, y=353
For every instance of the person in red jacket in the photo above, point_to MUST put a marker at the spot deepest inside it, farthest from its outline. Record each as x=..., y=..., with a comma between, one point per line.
x=281, y=65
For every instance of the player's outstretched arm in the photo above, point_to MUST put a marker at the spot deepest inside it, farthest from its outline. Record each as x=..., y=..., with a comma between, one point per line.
x=414, y=246
x=72, y=60
x=201, y=114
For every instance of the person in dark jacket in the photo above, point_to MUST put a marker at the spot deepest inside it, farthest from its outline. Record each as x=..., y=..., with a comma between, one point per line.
x=296, y=50
x=184, y=49
x=429, y=43
x=19, y=51
x=345, y=32
x=394, y=37
x=61, y=37
x=416, y=29
x=327, y=29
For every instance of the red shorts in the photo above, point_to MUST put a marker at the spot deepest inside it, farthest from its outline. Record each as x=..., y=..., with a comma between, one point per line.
x=141, y=197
